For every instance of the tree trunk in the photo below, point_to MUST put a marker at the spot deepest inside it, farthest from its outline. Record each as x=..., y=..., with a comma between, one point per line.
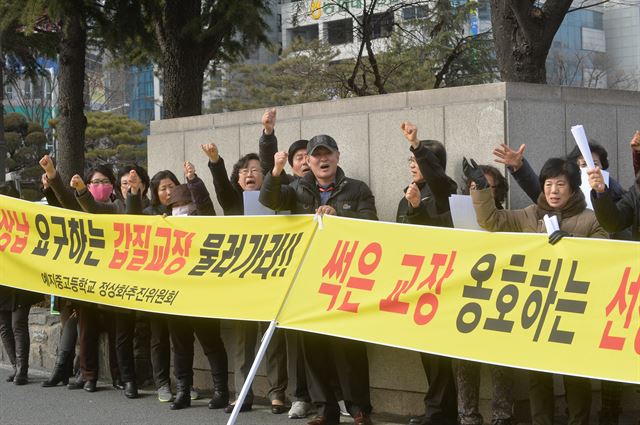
x=3, y=143
x=72, y=124
x=520, y=58
x=183, y=76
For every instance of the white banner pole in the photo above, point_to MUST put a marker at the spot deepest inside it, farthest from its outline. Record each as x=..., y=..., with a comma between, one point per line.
x=266, y=339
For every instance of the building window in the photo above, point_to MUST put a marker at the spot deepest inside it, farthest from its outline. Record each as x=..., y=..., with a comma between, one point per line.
x=415, y=12
x=305, y=33
x=340, y=32
x=27, y=89
x=382, y=25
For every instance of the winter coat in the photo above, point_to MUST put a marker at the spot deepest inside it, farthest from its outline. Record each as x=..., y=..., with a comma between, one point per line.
x=615, y=216
x=574, y=218
x=350, y=198
x=434, y=193
x=65, y=194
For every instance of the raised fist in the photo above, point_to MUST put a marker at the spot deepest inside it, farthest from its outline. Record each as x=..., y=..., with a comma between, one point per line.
x=189, y=170
x=413, y=195
x=77, y=183
x=635, y=142
x=596, y=181
x=279, y=162
x=134, y=181
x=269, y=120
x=410, y=132
x=47, y=165
x=211, y=150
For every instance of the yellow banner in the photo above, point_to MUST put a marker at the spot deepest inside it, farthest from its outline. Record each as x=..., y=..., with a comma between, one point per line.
x=501, y=298
x=227, y=267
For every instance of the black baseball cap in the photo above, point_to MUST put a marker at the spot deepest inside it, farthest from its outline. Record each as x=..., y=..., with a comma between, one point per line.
x=322, y=140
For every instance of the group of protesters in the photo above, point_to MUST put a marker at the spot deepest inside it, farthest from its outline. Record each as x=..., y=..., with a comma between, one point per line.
x=324, y=375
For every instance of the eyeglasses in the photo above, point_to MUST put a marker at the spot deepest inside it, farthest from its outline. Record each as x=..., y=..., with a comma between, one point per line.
x=124, y=184
x=247, y=171
x=411, y=159
x=100, y=181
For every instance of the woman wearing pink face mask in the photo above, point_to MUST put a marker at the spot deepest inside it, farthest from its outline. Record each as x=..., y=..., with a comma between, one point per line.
x=95, y=197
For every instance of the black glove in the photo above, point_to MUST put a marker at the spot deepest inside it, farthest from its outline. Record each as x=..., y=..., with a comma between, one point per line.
x=557, y=235
x=473, y=173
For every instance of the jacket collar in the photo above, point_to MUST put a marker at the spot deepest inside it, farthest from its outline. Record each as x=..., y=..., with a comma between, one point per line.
x=574, y=206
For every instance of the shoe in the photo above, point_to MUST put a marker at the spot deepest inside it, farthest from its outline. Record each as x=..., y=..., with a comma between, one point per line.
x=61, y=372
x=118, y=384
x=12, y=375
x=20, y=379
x=130, y=390
x=343, y=409
x=244, y=408
x=183, y=399
x=78, y=384
x=424, y=420
x=164, y=394
x=299, y=410
x=57, y=377
x=90, y=386
x=219, y=399
x=194, y=394
x=362, y=419
x=322, y=420
x=278, y=409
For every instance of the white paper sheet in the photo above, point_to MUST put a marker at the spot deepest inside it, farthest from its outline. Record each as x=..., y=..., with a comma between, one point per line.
x=583, y=144
x=462, y=212
x=585, y=187
x=551, y=223
x=253, y=207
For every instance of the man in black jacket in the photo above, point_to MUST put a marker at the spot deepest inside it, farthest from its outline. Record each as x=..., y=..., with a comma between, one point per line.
x=426, y=202
x=326, y=190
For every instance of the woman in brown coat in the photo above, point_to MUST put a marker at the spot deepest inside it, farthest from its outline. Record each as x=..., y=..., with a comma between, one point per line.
x=562, y=197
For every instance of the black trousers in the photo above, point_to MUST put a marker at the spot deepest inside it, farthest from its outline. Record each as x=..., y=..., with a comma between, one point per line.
x=14, y=332
x=331, y=360
x=441, y=406
x=160, y=349
x=93, y=321
x=182, y=330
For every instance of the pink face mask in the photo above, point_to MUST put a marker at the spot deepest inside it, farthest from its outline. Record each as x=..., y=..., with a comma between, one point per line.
x=101, y=192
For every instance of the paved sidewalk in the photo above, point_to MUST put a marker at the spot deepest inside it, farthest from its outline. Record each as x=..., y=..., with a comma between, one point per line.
x=32, y=404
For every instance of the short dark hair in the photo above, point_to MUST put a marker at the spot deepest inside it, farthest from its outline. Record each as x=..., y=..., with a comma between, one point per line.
x=438, y=150
x=555, y=167
x=155, y=184
x=242, y=163
x=102, y=169
x=594, y=147
x=502, y=187
x=141, y=172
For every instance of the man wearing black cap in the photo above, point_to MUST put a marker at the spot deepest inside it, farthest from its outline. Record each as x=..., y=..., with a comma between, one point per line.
x=326, y=190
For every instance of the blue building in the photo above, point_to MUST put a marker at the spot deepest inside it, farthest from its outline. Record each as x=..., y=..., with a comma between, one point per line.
x=140, y=86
